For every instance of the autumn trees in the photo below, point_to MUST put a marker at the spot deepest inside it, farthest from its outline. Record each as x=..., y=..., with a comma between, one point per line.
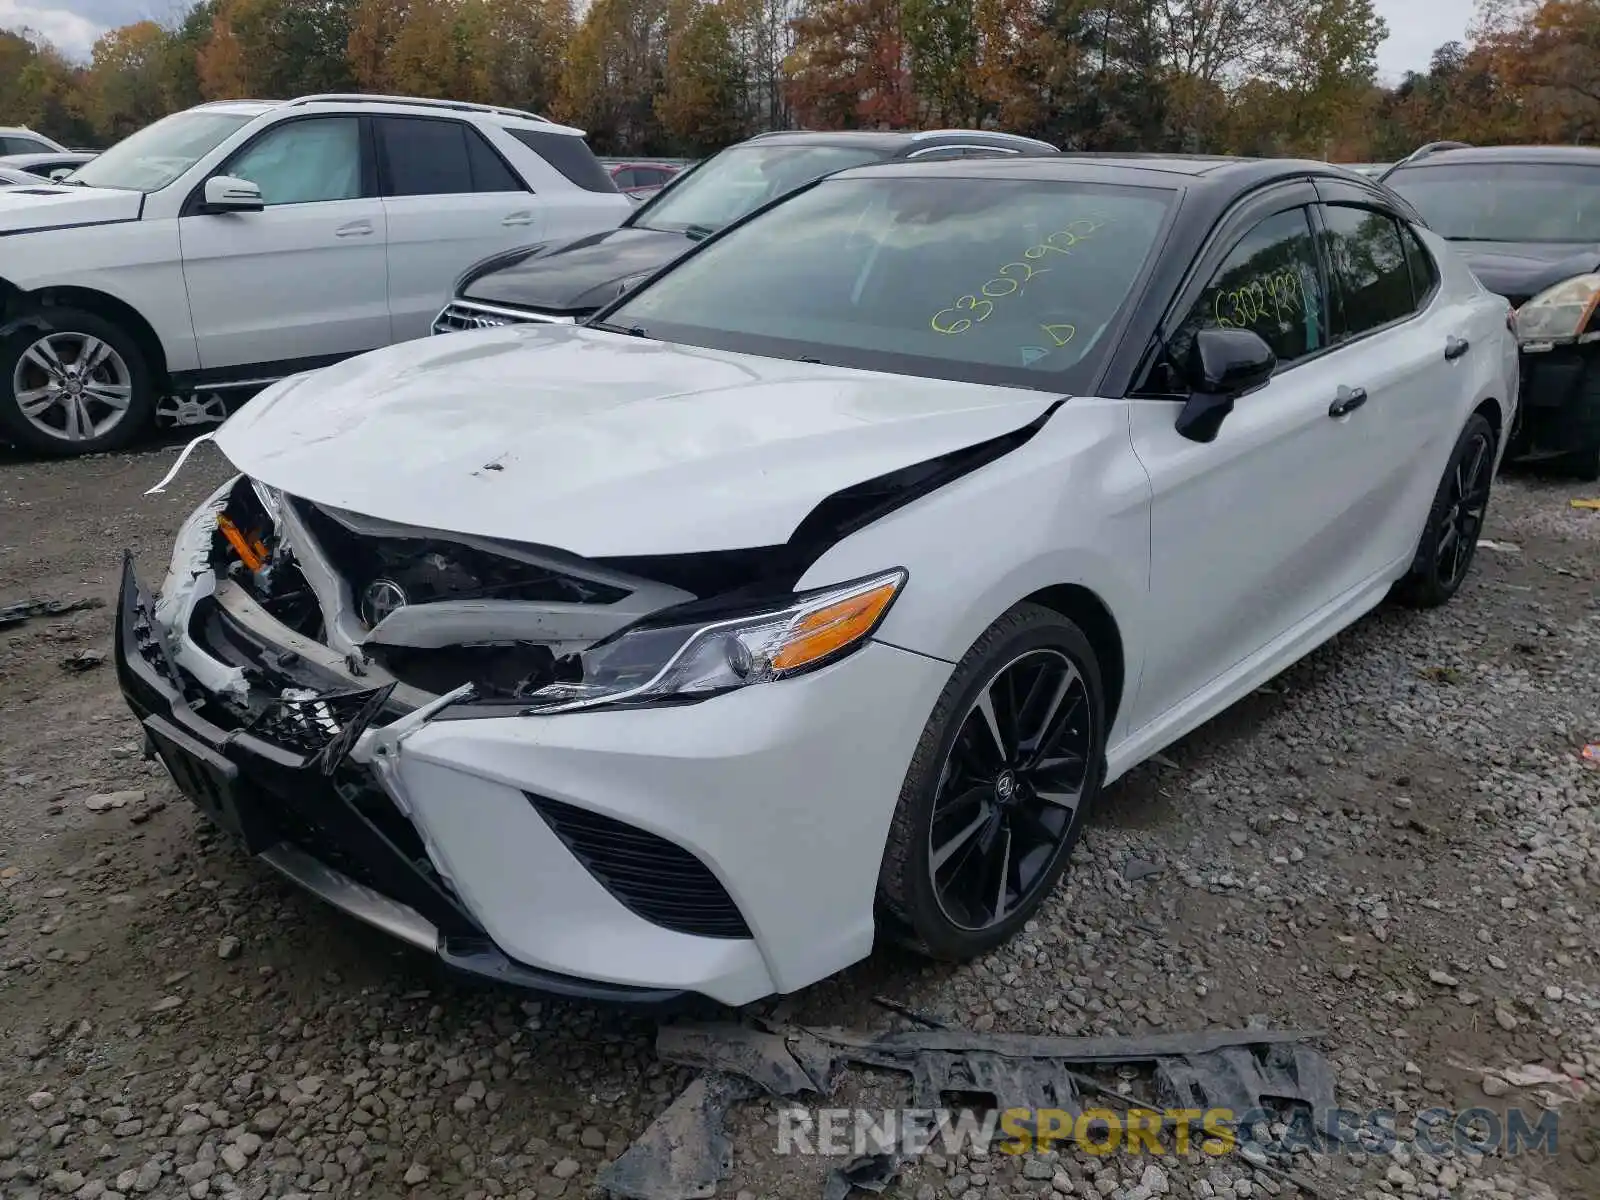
x=689, y=76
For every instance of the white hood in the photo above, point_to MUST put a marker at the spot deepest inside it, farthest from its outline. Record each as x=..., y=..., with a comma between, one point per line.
x=598, y=443
x=51, y=206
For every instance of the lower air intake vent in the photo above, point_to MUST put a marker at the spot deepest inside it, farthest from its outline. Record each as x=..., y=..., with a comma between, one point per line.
x=657, y=879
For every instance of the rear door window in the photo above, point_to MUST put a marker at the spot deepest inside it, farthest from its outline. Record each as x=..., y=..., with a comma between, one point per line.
x=422, y=157
x=1371, y=278
x=1424, y=271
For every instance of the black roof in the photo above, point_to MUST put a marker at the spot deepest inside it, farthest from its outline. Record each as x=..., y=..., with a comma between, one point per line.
x=1584, y=155
x=899, y=141
x=1188, y=171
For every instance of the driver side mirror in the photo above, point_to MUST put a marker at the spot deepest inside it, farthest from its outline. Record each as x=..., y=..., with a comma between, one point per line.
x=1222, y=365
x=226, y=194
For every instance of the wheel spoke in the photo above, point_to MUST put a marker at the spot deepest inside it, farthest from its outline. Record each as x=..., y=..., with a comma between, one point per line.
x=991, y=721
x=73, y=408
x=43, y=355
x=1005, y=877
x=112, y=395
x=36, y=401
x=963, y=837
x=93, y=353
x=1446, y=540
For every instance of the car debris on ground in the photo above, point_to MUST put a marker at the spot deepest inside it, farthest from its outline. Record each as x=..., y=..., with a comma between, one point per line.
x=12, y=615
x=685, y=1152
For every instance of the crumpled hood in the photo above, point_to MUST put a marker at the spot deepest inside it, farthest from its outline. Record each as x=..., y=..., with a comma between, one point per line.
x=52, y=206
x=577, y=276
x=1520, y=271
x=599, y=443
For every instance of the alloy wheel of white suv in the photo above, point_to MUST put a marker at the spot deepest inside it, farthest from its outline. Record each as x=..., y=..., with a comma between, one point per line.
x=79, y=386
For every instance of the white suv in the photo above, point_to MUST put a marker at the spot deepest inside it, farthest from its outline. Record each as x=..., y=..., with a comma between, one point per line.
x=242, y=241
x=19, y=139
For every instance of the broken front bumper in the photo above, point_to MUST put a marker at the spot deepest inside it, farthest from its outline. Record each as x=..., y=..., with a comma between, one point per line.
x=1560, y=401
x=729, y=847
x=313, y=816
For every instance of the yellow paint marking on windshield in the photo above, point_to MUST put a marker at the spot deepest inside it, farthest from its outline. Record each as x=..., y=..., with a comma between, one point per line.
x=1005, y=283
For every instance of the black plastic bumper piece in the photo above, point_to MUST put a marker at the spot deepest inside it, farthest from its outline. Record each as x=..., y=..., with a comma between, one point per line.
x=1560, y=400
x=268, y=796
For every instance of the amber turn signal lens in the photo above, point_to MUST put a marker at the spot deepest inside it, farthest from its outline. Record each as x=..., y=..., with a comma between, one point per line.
x=824, y=631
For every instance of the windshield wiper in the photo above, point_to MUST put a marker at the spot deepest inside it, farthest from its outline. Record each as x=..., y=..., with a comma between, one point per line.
x=698, y=233
x=638, y=331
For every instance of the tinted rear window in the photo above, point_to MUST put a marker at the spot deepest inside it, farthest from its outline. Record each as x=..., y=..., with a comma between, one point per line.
x=1505, y=202
x=568, y=154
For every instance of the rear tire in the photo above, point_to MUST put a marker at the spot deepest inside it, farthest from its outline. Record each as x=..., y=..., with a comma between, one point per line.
x=1009, y=764
x=1455, y=521
x=81, y=386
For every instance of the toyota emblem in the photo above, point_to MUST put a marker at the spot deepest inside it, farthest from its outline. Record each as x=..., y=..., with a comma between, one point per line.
x=381, y=597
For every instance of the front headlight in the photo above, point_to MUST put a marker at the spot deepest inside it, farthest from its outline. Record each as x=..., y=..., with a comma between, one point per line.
x=694, y=659
x=1561, y=313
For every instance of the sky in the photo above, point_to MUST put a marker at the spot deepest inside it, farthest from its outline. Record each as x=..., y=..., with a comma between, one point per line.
x=1415, y=26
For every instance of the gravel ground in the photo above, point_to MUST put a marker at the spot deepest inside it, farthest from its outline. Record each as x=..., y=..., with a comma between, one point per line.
x=1395, y=843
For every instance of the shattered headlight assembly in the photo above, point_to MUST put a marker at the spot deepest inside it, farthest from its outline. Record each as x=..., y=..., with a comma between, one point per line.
x=655, y=662
x=1562, y=313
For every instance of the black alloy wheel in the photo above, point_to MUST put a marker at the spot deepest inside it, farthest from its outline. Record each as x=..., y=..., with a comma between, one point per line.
x=996, y=795
x=1455, y=522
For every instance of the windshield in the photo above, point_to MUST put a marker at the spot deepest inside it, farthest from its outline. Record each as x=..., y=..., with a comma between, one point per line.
x=985, y=280
x=152, y=158
x=1505, y=202
x=742, y=179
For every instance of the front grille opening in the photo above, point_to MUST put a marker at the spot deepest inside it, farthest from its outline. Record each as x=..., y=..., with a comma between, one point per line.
x=457, y=318
x=650, y=876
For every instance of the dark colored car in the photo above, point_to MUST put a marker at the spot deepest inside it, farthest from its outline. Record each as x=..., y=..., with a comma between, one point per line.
x=636, y=177
x=569, y=281
x=1527, y=220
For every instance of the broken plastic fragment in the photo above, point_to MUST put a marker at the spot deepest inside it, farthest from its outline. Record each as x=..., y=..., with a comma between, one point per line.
x=685, y=1151
x=183, y=457
x=869, y=1173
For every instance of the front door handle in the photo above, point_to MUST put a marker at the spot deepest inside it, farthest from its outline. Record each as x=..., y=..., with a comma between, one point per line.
x=354, y=229
x=518, y=218
x=1347, y=400
x=1455, y=347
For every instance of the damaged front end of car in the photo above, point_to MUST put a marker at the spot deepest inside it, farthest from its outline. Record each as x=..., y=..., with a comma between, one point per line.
x=378, y=710
x=293, y=647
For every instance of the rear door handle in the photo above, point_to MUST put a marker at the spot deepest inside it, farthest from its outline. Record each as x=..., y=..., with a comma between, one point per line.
x=518, y=218
x=1347, y=400
x=354, y=229
x=1455, y=347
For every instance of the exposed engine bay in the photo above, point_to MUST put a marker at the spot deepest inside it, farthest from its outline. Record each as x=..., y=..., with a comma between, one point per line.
x=428, y=611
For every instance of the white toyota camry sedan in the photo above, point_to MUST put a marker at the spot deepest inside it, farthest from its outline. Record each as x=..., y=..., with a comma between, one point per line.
x=811, y=594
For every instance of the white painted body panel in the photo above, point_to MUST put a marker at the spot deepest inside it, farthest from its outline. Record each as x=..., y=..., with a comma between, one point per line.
x=431, y=237
x=1221, y=564
x=46, y=206
x=609, y=445
x=318, y=281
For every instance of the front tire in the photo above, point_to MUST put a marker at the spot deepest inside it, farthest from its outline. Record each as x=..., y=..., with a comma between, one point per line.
x=1008, y=765
x=79, y=387
x=1450, y=539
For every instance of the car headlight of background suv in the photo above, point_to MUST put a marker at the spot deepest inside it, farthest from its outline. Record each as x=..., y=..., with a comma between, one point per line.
x=1563, y=313
x=676, y=659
